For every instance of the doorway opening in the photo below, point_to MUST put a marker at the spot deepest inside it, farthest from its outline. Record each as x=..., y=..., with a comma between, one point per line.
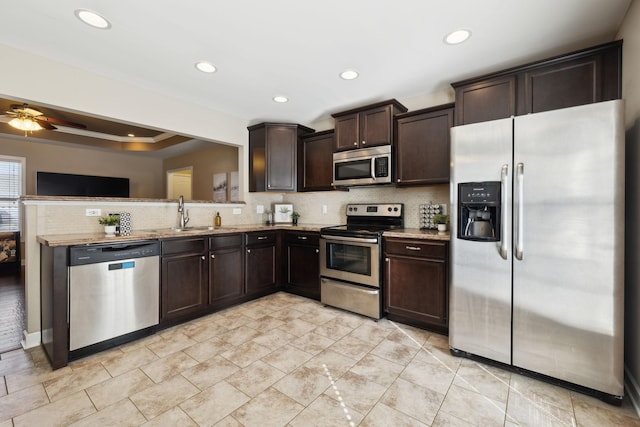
x=179, y=182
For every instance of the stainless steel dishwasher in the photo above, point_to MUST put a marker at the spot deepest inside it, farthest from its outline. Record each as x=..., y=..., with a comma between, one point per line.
x=114, y=290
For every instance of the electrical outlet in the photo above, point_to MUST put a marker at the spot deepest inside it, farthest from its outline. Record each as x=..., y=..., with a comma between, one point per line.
x=324, y=209
x=93, y=212
x=260, y=209
x=237, y=211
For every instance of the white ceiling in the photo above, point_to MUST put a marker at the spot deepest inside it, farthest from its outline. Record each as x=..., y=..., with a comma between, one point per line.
x=297, y=48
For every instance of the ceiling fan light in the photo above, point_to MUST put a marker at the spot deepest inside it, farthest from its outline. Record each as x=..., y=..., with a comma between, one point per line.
x=25, y=124
x=93, y=19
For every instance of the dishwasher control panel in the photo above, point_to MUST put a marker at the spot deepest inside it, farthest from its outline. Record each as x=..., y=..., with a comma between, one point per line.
x=93, y=254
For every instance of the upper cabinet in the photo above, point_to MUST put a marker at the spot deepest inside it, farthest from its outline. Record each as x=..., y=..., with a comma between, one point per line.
x=366, y=126
x=317, y=160
x=422, y=146
x=582, y=77
x=274, y=149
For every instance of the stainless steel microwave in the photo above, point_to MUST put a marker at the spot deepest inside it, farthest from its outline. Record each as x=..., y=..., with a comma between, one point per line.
x=366, y=166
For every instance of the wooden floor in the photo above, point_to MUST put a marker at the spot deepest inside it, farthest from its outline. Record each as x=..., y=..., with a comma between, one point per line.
x=11, y=310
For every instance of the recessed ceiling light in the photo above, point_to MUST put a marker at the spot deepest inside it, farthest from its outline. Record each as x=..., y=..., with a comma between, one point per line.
x=457, y=36
x=130, y=135
x=349, y=75
x=280, y=99
x=205, y=67
x=93, y=19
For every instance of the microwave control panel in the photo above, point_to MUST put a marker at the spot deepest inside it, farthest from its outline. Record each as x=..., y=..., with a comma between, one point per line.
x=381, y=167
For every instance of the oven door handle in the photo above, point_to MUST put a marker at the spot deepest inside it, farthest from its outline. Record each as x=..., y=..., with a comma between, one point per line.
x=351, y=239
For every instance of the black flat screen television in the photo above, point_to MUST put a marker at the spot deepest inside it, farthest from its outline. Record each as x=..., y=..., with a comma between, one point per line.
x=64, y=184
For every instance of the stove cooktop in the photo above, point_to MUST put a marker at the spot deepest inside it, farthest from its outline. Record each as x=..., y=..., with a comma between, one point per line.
x=369, y=220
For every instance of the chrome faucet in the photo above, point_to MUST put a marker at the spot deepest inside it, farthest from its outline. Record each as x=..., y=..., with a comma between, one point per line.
x=184, y=218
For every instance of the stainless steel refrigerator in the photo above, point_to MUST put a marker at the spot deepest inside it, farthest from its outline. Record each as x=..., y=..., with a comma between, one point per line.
x=537, y=244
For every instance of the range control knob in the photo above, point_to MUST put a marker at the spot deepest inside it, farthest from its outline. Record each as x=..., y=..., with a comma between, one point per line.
x=395, y=209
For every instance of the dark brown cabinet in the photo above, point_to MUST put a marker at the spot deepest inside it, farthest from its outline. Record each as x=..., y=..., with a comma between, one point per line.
x=416, y=283
x=317, y=160
x=302, y=263
x=366, y=126
x=578, y=78
x=423, y=147
x=226, y=272
x=184, y=278
x=261, y=262
x=274, y=151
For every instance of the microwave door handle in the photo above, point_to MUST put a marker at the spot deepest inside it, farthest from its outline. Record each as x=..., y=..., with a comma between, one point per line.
x=373, y=168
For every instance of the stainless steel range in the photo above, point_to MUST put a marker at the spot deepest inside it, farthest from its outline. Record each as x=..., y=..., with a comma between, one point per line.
x=350, y=258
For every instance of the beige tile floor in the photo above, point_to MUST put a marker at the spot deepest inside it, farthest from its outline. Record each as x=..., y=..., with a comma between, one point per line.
x=284, y=360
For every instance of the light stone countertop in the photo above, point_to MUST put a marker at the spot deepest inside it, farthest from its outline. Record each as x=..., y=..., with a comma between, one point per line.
x=166, y=233
x=417, y=233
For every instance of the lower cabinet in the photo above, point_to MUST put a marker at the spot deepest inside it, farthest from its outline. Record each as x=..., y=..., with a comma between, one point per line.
x=302, y=263
x=226, y=272
x=416, y=284
x=184, y=278
x=260, y=262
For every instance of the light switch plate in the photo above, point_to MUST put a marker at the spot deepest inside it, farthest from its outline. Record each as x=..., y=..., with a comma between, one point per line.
x=93, y=212
x=260, y=209
x=237, y=211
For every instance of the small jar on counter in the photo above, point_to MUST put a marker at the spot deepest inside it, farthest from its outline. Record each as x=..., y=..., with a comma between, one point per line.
x=217, y=221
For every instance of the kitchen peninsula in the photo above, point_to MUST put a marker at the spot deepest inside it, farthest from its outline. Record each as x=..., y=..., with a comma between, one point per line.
x=236, y=263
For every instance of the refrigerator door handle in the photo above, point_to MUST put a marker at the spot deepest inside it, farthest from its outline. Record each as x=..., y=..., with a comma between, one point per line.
x=519, y=212
x=504, y=175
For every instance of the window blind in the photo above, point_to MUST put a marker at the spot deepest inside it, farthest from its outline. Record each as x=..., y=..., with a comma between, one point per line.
x=10, y=192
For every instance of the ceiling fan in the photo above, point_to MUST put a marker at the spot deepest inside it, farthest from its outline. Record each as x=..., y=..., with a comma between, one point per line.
x=29, y=119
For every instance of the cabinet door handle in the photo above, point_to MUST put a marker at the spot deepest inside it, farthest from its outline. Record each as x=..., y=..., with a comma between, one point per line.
x=203, y=257
x=355, y=143
x=302, y=237
x=317, y=251
x=386, y=259
x=248, y=251
x=413, y=248
x=212, y=256
x=263, y=237
x=364, y=142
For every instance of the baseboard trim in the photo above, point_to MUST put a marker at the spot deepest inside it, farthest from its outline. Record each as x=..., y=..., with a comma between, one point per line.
x=632, y=388
x=30, y=340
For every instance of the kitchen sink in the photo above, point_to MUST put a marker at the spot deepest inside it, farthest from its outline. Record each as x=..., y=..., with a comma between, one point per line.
x=200, y=228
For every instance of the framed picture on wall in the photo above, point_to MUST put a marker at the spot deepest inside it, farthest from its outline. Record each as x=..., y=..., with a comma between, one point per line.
x=220, y=187
x=234, y=186
x=282, y=213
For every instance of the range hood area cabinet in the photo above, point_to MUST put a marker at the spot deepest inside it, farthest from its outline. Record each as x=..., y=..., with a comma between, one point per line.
x=582, y=77
x=275, y=156
x=366, y=126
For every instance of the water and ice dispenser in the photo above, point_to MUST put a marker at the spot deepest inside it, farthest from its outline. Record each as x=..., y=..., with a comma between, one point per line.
x=479, y=211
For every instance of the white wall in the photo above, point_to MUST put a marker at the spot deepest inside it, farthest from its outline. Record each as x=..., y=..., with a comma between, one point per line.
x=631, y=93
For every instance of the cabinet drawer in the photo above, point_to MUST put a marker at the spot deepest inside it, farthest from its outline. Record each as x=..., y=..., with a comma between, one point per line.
x=178, y=246
x=225, y=241
x=416, y=248
x=260, y=238
x=295, y=237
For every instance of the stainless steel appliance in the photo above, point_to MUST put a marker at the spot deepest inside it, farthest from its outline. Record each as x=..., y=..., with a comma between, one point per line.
x=114, y=290
x=350, y=258
x=366, y=166
x=542, y=290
